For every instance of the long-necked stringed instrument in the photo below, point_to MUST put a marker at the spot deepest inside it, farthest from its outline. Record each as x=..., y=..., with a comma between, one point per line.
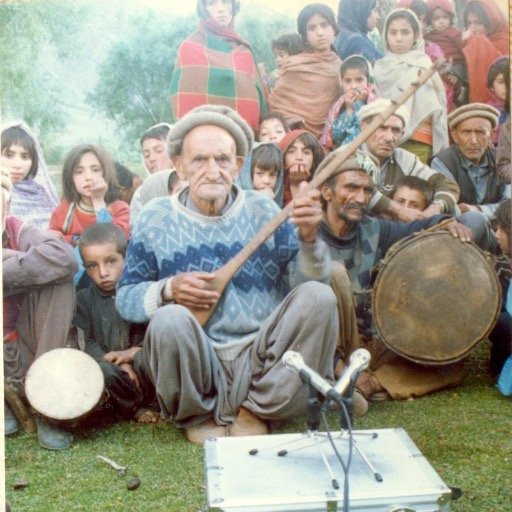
x=326, y=169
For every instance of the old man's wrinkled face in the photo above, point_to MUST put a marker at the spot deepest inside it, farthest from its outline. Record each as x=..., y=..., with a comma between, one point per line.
x=386, y=138
x=209, y=162
x=473, y=136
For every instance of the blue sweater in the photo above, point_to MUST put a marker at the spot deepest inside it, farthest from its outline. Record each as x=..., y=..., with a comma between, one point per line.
x=169, y=239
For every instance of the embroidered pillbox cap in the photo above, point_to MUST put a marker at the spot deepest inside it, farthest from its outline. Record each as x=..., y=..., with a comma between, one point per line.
x=473, y=110
x=358, y=161
x=217, y=115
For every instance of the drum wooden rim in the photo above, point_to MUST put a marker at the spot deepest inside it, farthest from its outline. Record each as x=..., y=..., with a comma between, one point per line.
x=64, y=384
x=429, y=278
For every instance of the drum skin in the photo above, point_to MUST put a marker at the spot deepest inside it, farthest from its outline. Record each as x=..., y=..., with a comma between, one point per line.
x=435, y=298
x=64, y=384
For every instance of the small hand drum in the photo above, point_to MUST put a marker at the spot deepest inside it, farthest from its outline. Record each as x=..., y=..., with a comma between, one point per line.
x=64, y=384
x=435, y=298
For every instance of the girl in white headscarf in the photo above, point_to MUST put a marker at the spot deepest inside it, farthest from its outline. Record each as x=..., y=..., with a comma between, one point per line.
x=426, y=132
x=33, y=194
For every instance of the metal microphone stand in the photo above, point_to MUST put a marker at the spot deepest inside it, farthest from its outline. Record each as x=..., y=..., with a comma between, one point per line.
x=313, y=437
x=345, y=423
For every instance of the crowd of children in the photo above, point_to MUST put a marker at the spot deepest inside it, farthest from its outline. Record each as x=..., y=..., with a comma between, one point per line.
x=326, y=75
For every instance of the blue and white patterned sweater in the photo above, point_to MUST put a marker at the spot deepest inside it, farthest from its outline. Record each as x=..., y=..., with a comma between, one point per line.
x=169, y=239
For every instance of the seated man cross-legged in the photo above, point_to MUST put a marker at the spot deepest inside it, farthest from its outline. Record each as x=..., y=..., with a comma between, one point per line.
x=226, y=377
x=38, y=301
x=359, y=242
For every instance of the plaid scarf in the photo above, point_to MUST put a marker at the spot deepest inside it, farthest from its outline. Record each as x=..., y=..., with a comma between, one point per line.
x=216, y=66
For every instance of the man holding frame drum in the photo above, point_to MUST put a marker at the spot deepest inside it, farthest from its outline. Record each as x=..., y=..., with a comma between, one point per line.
x=225, y=377
x=359, y=242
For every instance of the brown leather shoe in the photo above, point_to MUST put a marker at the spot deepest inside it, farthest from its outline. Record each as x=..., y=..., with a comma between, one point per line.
x=199, y=433
x=247, y=424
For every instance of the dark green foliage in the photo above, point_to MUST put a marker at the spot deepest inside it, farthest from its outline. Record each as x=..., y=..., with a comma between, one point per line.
x=33, y=37
x=134, y=78
x=100, y=71
x=260, y=29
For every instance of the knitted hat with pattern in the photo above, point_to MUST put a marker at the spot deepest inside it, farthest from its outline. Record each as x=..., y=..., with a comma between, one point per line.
x=473, y=110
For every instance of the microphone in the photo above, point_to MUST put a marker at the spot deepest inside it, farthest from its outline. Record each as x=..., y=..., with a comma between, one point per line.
x=294, y=360
x=358, y=361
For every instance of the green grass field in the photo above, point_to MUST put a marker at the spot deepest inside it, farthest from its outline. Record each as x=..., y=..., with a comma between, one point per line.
x=465, y=433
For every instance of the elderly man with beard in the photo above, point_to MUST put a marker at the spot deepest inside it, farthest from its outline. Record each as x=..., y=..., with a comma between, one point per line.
x=225, y=377
x=359, y=242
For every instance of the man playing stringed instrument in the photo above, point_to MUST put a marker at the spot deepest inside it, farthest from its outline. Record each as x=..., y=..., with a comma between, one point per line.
x=225, y=378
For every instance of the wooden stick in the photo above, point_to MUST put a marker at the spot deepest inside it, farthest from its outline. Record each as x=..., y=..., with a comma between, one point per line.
x=18, y=408
x=225, y=273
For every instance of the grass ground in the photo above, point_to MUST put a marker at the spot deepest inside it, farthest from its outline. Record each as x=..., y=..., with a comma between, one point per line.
x=465, y=433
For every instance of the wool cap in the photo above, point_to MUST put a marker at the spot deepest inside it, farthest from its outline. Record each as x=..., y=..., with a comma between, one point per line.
x=6, y=180
x=473, y=110
x=359, y=160
x=378, y=106
x=217, y=115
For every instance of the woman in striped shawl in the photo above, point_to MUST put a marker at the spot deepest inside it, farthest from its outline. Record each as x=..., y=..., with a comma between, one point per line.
x=216, y=66
x=33, y=194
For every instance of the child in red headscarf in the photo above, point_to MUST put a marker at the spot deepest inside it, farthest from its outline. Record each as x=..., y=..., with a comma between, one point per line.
x=485, y=38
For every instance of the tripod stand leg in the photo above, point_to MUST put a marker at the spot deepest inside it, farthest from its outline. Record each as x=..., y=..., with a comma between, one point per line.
x=334, y=482
x=376, y=474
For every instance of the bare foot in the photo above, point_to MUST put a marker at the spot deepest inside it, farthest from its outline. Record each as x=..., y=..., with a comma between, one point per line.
x=367, y=384
x=146, y=416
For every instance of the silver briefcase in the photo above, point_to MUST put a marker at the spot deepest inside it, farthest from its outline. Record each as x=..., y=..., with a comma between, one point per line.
x=300, y=472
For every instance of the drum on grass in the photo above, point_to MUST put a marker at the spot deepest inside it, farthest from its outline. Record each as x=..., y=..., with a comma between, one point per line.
x=435, y=298
x=64, y=384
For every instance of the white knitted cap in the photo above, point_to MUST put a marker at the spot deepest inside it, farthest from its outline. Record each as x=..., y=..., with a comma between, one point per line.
x=378, y=106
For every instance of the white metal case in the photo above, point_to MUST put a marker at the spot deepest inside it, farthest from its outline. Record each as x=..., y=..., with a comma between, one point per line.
x=300, y=481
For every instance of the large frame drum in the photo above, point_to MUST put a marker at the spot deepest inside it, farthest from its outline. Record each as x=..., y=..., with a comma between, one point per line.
x=435, y=298
x=64, y=384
